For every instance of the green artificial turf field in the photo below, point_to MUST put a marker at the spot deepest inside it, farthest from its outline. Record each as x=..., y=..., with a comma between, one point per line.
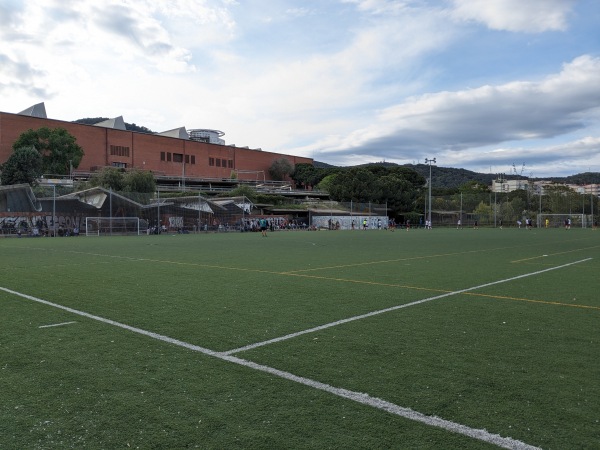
x=434, y=339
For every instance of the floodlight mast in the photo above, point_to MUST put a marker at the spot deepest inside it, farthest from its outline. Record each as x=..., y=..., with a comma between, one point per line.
x=429, y=161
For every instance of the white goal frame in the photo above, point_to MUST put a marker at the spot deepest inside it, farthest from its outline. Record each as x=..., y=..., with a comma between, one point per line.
x=257, y=174
x=107, y=226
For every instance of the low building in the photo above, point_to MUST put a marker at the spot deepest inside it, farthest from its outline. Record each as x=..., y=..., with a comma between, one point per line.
x=173, y=153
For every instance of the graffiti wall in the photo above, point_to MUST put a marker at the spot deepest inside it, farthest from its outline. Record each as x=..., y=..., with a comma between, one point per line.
x=40, y=224
x=350, y=222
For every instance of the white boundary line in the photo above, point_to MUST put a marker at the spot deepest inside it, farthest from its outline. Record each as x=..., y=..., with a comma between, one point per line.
x=359, y=397
x=56, y=325
x=393, y=308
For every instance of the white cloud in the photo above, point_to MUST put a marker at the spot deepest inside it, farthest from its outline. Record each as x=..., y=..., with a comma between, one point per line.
x=386, y=82
x=551, y=158
x=529, y=16
x=321, y=91
x=460, y=124
x=383, y=6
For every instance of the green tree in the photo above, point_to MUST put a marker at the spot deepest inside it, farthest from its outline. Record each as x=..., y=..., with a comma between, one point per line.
x=558, y=199
x=355, y=184
x=241, y=191
x=57, y=147
x=306, y=175
x=139, y=181
x=109, y=178
x=474, y=186
x=484, y=212
x=280, y=169
x=326, y=183
x=412, y=176
x=24, y=165
x=397, y=192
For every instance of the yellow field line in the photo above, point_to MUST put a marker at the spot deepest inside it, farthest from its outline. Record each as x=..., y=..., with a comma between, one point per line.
x=554, y=254
x=345, y=280
x=374, y=283
x=413, y=258
x=545, y=302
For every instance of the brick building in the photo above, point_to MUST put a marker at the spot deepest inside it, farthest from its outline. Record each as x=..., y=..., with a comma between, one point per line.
x=171, y=153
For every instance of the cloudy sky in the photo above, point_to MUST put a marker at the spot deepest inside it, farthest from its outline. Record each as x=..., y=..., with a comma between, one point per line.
x=485, y=85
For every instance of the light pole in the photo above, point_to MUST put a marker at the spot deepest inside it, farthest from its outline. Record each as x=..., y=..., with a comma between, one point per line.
x=592, y=204
x=429, y=161
x=53, y=210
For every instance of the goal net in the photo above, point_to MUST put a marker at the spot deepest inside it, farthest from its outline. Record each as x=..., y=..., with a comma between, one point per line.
x=107, y=226
x=560, y=220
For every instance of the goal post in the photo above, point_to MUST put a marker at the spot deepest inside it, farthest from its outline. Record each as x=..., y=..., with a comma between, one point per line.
x=559, y=220
x=107, y=226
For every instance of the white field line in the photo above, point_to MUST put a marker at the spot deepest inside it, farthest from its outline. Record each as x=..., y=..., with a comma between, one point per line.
x=365, y=399
x=56, y=324
x=392, y=308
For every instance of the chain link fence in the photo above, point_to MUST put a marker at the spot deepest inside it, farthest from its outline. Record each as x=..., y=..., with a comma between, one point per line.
x=510, y=209
x=64, y=210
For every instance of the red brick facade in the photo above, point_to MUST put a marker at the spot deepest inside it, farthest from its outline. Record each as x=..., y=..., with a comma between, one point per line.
x=162, y=155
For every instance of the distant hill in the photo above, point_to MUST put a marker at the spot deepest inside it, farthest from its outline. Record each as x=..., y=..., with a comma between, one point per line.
x=445, y=177
x=128, y=126
x=450, y=178
x=322, y=165
x=580, y=178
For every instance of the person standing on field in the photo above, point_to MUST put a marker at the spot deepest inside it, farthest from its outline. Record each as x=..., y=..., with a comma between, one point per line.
x=263, y=226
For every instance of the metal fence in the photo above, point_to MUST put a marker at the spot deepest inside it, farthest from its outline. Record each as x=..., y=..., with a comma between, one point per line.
x=508, y=209
x=62, y=210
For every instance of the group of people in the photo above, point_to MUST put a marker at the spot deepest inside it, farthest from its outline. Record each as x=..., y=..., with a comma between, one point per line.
x=36, y=232
x=378, y=224
x=271, y=224
x=528, y=223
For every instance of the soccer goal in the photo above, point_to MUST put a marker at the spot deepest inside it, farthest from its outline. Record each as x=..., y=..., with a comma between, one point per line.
x=560, y=220
x=107, y=226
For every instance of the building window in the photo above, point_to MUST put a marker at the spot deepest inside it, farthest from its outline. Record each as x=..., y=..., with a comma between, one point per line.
x=187, y=159
x=224, y=162
x=211, y=161
x=177, y=157
x=120, y=164
x=218, y=162
x=162, y=156
x=230, y=163
x=168, y=156
x=119, y=150
x=193, y=159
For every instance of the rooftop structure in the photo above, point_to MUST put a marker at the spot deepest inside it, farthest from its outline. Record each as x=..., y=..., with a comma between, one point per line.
x=38, y=110
x=116, y=124
x=206, y=135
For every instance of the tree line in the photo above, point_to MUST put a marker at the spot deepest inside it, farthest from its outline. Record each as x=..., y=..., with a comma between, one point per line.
x=398, y=187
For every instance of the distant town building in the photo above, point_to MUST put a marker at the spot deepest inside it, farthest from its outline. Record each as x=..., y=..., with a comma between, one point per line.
x=503, y=185
x=540, y=186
